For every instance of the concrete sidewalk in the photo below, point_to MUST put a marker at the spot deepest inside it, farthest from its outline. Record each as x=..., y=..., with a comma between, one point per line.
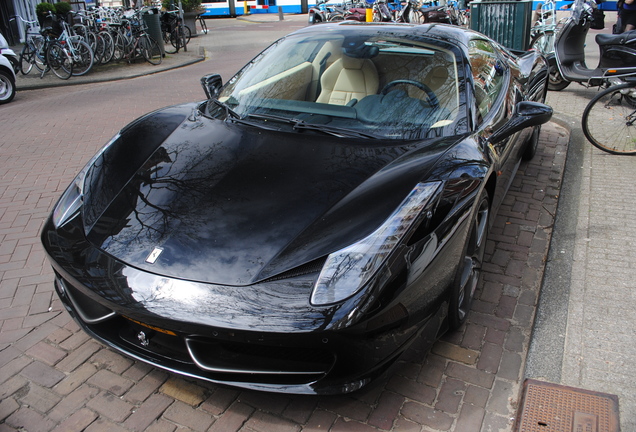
x=585, y=328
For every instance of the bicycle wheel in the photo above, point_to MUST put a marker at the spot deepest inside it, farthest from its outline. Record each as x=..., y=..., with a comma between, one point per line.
x=39, y=58
x=416, y=17
x=203, y=25
x=168, y=46
x=608, y=120
x=150, y=49
x=83, y=58
x=377, y=16
x=119, y=48
x=463, y=18
x=98, y=47
x=187, y=34
x=543, y=42
x=109, y=47
x=59, y=59
x=26, y=59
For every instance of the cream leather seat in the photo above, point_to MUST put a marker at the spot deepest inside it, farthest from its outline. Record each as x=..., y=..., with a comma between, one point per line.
x=346, y=79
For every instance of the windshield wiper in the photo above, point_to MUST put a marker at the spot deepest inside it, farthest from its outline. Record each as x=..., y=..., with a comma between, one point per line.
x=228, y=111
x=301, y=124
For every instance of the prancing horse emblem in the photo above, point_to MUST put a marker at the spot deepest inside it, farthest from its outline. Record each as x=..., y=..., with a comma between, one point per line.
x=143, y=340
x=154, y=255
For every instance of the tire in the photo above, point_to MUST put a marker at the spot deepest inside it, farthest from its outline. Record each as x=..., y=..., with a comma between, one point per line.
x=109, y=47
x=463, y=19
x=168, y=43
x=26, y=59
x=119, y=47
x=532, y=144
x=608, y=120
x=416, y=17
x=60, y=61
x=469, y=271
x=150, y=50
x=187, y=34
x=7, y=87
x=83, y=58
x=543, y=42
x=39, y=58
x=98, y=47
x=556, y=82
x=15, y=64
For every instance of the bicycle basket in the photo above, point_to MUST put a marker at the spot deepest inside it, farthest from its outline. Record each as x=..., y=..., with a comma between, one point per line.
x=51, y=26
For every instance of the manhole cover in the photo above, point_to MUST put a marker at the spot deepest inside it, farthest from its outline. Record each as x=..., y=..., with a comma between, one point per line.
x=547, y=407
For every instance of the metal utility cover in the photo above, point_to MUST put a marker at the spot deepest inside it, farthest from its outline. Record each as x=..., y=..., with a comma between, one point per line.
x=547, y=407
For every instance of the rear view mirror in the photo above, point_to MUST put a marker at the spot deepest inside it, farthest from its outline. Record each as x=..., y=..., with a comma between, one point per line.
x=526, y=114
x=211, y=85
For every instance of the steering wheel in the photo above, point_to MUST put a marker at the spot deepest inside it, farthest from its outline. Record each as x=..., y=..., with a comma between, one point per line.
x=432, y=97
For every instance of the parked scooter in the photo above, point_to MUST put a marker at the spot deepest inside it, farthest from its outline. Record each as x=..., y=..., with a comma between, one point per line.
x=435, y=13
x=567, y=64
x=9, y=54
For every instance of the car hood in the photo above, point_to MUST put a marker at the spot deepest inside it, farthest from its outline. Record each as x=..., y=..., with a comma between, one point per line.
x=190, y=197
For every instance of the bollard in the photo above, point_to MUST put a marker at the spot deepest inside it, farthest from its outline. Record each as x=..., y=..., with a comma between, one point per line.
x=369, y=16
x=246, y=9
x=280, y=13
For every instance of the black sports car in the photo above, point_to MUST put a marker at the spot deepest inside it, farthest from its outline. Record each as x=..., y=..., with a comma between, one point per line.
x=299, y=228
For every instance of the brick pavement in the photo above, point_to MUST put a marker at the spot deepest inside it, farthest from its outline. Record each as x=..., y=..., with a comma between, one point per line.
x=54, y=377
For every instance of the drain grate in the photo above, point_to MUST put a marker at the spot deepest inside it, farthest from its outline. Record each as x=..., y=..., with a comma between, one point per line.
x=547, y=407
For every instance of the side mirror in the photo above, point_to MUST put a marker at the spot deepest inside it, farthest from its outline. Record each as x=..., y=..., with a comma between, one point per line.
x=526, y=114
x=211, y=85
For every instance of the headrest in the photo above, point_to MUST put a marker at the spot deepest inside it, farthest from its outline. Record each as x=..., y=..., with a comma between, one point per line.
x=357, y=48
x=352, y=63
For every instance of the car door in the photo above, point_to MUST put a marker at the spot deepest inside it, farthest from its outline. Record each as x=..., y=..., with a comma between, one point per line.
x=495, y=96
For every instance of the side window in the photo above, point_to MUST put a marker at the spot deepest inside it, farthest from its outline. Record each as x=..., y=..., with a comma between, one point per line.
x=487, y=74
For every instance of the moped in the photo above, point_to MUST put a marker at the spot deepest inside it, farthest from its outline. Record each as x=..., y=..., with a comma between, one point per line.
x=9, y=54
x=567, y=63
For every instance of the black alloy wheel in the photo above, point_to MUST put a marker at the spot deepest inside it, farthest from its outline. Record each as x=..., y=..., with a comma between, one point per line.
x=469, y=270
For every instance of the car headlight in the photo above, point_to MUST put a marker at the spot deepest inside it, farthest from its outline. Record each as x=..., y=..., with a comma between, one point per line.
x=346, y=271
x=71, y=200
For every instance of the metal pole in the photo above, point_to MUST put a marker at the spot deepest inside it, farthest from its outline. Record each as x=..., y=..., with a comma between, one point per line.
x=181, y=21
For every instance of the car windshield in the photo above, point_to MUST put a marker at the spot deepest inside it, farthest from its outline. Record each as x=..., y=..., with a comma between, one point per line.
x=381, y=86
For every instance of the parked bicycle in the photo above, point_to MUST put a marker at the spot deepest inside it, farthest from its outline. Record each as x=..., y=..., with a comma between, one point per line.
x=136, y=41
x=81, y=52
x=608, y=119
x=201, y=21
x=176, y=35
x=543, y=30
x=42, y=50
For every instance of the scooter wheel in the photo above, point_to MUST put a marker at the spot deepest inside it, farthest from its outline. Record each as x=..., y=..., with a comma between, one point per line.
x=556, y=82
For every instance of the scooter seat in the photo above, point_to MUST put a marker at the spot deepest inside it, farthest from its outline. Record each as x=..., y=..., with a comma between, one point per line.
x=616, y=39
x=432, y=9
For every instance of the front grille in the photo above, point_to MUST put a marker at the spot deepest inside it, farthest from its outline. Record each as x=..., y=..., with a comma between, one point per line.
x=261, y=363
x=199, y=356
x=89, y=311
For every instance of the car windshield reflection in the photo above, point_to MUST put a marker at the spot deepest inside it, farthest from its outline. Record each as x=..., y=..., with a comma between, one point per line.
x=382, y=87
